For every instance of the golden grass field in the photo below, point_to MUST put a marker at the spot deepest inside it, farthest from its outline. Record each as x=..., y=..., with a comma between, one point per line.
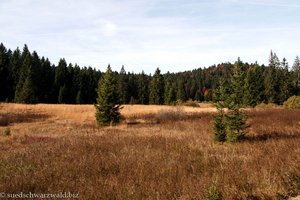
x=157, y=152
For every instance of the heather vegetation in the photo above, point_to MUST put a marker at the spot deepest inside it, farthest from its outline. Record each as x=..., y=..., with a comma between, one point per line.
x=53, y=148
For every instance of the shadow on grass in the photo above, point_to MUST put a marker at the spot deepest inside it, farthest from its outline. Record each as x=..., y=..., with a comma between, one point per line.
x=10, y=118
x=274, y=135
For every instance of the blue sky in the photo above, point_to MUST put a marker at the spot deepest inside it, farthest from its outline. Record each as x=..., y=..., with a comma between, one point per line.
x=174, y=35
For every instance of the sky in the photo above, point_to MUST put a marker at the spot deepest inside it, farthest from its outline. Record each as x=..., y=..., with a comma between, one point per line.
x=174, y=35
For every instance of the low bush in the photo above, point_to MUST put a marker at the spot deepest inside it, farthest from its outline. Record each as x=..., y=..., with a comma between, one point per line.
x=292, y=103
x=212, y=193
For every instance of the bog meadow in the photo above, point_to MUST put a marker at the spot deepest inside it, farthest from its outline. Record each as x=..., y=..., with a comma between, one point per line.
x=230, y=131
x=161, y=152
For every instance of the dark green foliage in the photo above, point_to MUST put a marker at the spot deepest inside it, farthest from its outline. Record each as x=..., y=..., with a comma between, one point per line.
x=108, y=107
x=4, y=73
x=143, y=88
x=123, y=86
x=272, y=89
x=235, y=99
x=60, y=80
x=198, y=95
x=170, y=89
x=15, y=66
x=285, y=82
x=27, y=78
x=62, y=95
x=231, y=125
x=79, y=97
x=181, y=93
x=254, y=89
x=170, y=97
x=61, y=73
x=222, y=91
x=132, y=89
x=26, y=89
x=88, y=84
x=45, y=83
x=157, y=88
x=26, y=94
x=235, y=122
x=296, y=76
x=219, y=126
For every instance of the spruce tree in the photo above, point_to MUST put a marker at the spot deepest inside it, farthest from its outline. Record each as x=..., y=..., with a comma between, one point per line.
x=79, y=97
x=235, y=122
x=170, y=92
x=4, y=73
x=285, y=84
x=108, y=107
x=296, y=76
x=62, y=95
x=26, y=89
x=60, y=80
x=143, y=88
x=132, y=88
x=271, y=82
x=237, y=86
x=157, y=88
x=46, y=81
x=235, y=119
x=15, y=69
x=198, y=95
x=123, y=86
x=181, y=93
x=231, y=125
x=254, y=88
x=219, y=126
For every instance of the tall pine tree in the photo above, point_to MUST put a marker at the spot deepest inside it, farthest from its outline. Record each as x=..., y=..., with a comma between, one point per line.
x=108, y=107
x=143, y=88
x=254, y=88
x=284, y=82
x=231, y=125
x=296, y=76
x=4, y=73
x=26, y=89
x=271, y=82
x=235, y=119
x=157, y=88
x=123, y=86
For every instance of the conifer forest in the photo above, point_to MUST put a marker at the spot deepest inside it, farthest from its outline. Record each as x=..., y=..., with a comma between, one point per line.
x=26, y=77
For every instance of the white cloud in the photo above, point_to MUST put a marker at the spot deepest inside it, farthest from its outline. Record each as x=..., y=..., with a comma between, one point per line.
x=109, y=28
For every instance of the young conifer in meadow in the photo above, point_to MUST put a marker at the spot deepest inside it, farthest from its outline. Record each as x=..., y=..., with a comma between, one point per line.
x=108, y=107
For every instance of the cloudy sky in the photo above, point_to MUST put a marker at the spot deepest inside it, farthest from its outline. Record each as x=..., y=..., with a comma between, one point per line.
x=175, y=35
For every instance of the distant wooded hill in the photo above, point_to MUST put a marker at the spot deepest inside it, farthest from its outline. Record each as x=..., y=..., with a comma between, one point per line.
x=26, y=77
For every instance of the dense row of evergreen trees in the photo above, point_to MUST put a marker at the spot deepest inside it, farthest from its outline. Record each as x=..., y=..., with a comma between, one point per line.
x=27, y=78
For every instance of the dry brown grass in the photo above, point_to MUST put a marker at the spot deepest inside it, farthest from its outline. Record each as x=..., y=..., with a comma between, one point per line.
x=171, y=157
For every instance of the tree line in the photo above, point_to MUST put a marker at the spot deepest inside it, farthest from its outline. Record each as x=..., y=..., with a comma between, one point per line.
x=26, y=77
